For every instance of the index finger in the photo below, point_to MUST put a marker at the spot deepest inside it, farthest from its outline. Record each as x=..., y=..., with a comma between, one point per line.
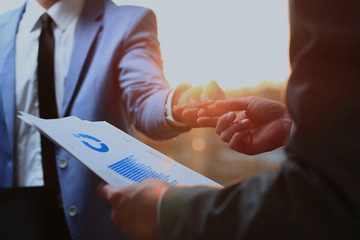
x=234, y=104
x=211, y=111
x=201, y=104
x=207, y=121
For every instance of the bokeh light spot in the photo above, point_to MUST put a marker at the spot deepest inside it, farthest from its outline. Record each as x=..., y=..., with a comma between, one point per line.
x=198, y=144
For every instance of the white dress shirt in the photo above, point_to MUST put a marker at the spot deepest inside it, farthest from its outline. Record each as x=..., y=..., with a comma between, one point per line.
x=65, y=15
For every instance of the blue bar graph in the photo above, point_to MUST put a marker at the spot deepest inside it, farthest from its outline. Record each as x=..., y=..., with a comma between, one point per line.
x=129, y=168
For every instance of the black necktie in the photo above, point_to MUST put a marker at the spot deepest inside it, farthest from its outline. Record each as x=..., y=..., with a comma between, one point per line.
x=46, y=94
x=55, y=220
x=46, y=87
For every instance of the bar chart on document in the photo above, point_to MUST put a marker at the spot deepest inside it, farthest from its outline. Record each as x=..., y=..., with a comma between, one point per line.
x=131, y=169
x=112, y=154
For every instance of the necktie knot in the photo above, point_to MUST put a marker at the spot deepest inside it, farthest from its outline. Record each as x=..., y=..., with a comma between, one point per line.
x=45, y=20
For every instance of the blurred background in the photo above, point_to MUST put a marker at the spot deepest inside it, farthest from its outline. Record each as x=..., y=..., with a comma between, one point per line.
x=241, y=44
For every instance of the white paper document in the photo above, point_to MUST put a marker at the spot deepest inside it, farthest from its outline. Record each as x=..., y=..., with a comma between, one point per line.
x=116, y=157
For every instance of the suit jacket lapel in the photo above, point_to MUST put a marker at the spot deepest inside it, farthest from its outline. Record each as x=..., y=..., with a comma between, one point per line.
x=87, y=30
x=7, y=68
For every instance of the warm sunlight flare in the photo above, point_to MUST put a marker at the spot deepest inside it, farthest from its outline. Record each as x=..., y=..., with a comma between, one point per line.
x=238, y=43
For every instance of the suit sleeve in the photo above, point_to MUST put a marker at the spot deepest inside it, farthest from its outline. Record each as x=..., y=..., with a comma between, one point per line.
x=141, y=76
x=315, y=194
x=295, y=203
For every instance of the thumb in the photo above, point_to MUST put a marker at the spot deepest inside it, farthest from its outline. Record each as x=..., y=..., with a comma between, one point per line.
x=105, y=190
x=212, y=91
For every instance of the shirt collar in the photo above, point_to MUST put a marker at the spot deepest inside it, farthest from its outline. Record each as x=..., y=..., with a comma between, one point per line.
x=62, y=13
x=33, y=11
x=65, y=11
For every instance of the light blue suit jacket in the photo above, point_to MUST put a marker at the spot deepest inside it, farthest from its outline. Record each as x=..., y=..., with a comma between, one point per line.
x=115, y=75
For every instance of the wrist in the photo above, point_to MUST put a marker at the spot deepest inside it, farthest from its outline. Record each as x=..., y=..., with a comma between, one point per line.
x=169, y=116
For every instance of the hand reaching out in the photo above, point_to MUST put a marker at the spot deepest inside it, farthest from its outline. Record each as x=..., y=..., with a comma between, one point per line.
x=188, y=100
x=262, y=125
x=134, y=208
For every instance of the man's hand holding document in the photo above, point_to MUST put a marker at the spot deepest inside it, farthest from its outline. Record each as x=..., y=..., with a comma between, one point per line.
x=116, y=157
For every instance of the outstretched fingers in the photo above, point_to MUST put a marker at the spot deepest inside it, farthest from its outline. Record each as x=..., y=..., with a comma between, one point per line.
x=241, y=128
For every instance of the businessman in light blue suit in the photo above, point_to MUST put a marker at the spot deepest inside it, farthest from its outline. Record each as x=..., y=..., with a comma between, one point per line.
x=107, y=67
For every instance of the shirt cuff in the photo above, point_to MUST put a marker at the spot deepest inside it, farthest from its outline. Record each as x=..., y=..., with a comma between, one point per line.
x=159, y=203
x=168, y=112
x=292, y=131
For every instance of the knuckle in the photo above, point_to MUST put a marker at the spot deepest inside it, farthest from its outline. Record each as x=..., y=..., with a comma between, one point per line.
x=234, y=146
x=113, y=199
x=115, y=218
x=224, y=137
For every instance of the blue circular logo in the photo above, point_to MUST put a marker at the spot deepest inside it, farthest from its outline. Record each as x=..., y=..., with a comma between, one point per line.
x=92, y=142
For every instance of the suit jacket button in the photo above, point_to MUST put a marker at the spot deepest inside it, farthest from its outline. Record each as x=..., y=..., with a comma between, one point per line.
x=72, y=210
x=63, y=163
